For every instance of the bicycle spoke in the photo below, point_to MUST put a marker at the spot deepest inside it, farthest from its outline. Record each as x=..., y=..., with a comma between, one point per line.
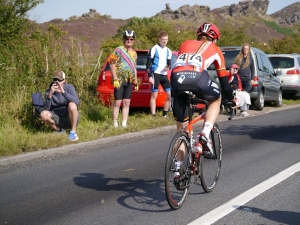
x=176, y=190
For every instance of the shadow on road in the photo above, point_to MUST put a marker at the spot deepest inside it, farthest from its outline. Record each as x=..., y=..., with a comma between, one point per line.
x=281, y=217
x=142, y=195
x=270, y=133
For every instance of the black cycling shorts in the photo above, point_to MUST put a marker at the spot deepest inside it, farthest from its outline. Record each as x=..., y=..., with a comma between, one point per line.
x=198, y=83
x=123, y=92
x=161, y=79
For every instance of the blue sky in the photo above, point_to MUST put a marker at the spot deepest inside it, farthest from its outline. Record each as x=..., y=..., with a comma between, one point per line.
x=124, y=9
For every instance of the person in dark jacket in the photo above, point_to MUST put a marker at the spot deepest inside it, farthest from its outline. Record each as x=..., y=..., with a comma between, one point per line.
x=246, y=67
x=61, y=106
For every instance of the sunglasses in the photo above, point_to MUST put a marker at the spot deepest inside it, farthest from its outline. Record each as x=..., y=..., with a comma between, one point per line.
x=235, y=69
x=129, y=39
x=57, y=80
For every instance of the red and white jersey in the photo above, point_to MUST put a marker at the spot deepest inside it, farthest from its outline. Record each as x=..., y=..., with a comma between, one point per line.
x=197, y=56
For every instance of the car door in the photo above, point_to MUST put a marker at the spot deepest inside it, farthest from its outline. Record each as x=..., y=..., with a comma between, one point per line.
x=272, y=83
x=266, y=74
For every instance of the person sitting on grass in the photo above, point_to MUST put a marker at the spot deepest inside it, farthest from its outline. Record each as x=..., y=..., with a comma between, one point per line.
x=61, y=106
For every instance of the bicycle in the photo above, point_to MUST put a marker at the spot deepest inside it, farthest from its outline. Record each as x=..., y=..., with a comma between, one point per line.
x=204, y=166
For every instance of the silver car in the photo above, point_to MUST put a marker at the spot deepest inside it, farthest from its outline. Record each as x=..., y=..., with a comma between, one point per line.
x=287, y=67
x=266, y=87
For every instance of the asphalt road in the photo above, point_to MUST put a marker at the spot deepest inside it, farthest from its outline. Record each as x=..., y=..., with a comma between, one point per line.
x=121, y=182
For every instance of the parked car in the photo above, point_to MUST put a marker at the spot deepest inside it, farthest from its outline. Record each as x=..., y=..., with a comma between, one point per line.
x=287, y=67
x=267, y=86
x=140, y=98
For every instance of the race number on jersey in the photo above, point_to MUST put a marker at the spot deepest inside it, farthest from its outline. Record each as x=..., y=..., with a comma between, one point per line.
x=188, y=59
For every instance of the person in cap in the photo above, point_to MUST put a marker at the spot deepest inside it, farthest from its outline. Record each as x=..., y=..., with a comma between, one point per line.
x=242, y=96
x=124, y=76
x=61, y=106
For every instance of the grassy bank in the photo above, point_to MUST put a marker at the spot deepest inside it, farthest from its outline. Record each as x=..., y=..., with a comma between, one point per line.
x=16, y=138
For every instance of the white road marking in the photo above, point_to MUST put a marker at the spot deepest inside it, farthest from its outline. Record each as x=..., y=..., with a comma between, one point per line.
x=216, y=214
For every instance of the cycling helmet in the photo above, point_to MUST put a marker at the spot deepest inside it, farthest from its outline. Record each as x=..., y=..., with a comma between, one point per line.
x=210, y=30
x=129, y=33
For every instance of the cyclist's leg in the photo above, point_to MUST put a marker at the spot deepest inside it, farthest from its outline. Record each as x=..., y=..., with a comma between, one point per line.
x=165, y=83
x=180, y=110
x=212, y=94
x=154, y=93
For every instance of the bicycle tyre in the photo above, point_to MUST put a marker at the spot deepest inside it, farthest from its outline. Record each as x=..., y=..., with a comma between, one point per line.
x=177, y=195
x=210, y=166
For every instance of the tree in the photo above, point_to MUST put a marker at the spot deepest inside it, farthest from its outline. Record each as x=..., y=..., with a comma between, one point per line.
x=13, y=19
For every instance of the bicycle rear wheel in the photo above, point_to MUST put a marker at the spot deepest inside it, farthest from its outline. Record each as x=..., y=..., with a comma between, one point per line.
x=211, y=165
x=177, y=190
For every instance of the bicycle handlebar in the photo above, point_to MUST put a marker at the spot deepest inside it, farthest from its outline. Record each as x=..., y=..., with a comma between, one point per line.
x=229, y=104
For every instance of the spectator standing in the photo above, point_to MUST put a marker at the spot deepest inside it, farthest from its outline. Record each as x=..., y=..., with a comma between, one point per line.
x=123, y=68
x=158, y=64
x=246, y=67
x=242, y=96
x=61, y=106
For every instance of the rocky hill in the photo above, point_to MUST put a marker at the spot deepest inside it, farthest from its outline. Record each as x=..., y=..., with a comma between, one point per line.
x=93, y=28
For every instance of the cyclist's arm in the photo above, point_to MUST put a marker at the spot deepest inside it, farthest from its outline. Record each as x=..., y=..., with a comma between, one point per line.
x=222, y=75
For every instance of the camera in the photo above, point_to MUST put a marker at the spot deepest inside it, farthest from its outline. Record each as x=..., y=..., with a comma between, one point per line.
x=55, y=83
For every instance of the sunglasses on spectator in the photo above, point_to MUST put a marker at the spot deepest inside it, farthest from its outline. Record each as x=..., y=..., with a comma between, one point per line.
x=129, y=39
x=235, y=68
x=57, y=80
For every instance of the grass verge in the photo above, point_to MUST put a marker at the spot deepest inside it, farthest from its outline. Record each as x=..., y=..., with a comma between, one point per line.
x=16, y=139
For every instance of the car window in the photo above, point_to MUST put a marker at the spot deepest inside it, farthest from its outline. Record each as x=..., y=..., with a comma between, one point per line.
x=107, y=67
x=229, y=59
x=141, y=61
x=298, y=61
x=267, y=66
x=259, y=62
x=173, y=59
x=282, y=62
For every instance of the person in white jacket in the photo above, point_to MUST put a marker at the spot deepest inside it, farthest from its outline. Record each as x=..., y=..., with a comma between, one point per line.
x=243, y=97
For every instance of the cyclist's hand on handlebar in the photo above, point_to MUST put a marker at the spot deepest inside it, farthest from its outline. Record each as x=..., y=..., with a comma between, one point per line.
x=232, y=103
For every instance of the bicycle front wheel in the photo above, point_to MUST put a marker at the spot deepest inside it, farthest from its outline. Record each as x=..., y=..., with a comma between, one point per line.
x=176, y=187
x=211, y=165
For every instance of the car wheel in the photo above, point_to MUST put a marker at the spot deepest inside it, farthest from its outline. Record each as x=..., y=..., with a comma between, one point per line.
x=259, y=103
x=278, y=102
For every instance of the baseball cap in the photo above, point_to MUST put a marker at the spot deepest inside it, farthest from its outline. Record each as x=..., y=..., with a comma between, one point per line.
x=59, y=75
x=235, y=66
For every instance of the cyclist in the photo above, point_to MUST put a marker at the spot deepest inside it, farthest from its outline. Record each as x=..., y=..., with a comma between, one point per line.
x=122, y=64
x=158, y=64
x=189, y=74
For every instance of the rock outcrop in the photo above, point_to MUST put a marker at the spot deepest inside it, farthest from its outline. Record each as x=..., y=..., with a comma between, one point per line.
x=288, y=15
x=202, y=13
x=89, y=15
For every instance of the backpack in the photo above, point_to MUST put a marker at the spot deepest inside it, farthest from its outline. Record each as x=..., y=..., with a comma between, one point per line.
x=37, y=103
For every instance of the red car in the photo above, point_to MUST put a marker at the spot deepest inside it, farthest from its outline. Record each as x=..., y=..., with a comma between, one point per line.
x=140, y=98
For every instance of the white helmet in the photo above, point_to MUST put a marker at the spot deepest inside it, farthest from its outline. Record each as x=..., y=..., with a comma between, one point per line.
x=129, y=33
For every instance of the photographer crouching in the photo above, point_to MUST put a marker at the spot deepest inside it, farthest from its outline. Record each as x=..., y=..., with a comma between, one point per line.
x=61, y=106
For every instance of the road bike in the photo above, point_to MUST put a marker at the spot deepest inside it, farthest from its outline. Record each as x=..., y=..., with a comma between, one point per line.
x=205, y=166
